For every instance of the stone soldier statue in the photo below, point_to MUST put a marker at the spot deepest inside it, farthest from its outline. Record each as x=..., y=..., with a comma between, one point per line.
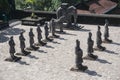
x=90, y=43
x=90, y=49
x=99, y=40
x=57, y=23
x=79, y=60
x=39, y=33
x=72, y=11
x=31, y=37
x=60, y=23
x=22, y=44
x=52, y=28
x=79, y=54
x=106, y=32
x=47, y=32
x=12, y=51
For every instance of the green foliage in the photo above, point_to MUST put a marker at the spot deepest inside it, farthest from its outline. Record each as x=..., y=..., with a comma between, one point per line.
x=30, y=1
x=43, y=5
x=55, y=4
x=20, y=4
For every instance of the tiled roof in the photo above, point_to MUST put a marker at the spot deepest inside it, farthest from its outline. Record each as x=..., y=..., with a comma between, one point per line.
x=99, y=6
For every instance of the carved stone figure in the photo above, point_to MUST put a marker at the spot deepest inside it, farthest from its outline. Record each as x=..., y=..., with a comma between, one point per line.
x=57, y=23
x=79, y=54
x=106, y=32
x=31, y=37
x=90, y=49
x=39, y=33
x=52, y=26
x=99, y=40
x=47, y=32
x=12, y=51
x=68, y=12
x=79, y=59
x=62, y=11
x=72, y=11
x=22, y=45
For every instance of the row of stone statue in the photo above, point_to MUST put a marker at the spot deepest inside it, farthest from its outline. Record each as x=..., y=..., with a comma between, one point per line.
x=90, y=49
x=33, y=46
x=78, y=50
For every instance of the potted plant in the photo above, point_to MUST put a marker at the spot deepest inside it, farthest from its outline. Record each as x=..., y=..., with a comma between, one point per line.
x=32, y=3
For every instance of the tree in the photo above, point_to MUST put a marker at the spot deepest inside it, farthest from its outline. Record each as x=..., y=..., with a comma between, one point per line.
x=4, y=6
x=43, y=5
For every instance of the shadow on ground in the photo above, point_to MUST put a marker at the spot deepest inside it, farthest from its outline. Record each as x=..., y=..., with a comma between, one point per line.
x=22, y=62
x=103, y=61
x=3, y=38
x=116, y=43
x=32, y=57
x=48, y=46
x=12, y=31
x=111, y=52
x=41, y=51
x=9, y=31
x=92, y=73
x=62, y=38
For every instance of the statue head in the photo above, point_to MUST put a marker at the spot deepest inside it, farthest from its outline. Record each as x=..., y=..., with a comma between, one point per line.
x=21, y=33
x=90, y=34
x=98, y=27
x=11, y=37
x=52, y=20
x=64, y=5
x=31, y=29
x=38, y=25
x=77, y=42
x=39, y=29
x=46, y=23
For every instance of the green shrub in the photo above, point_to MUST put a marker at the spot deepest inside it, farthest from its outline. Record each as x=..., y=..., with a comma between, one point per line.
x=43, y=5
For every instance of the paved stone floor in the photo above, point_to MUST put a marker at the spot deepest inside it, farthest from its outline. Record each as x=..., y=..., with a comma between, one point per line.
x=54, y=61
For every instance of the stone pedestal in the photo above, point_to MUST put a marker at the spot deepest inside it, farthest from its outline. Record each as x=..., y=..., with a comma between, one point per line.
x=32, y=22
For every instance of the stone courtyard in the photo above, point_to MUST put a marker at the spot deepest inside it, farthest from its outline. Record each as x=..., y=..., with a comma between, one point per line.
x=53, y=62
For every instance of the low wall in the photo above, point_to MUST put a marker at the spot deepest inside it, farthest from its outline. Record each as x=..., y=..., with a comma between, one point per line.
x=82, y=18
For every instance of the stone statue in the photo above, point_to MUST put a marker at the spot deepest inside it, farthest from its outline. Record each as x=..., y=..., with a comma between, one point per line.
x=72, y=11
x=99, y=40
x=22, y=45
x=31, y=37
x=12, y=51
x=68, y=12
x=62, y=11
x=79, y=60
x=90, y=49
x=47, y=32
x=57, y=23
x=106, y=32
x=52, y=28
x=39, y=33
